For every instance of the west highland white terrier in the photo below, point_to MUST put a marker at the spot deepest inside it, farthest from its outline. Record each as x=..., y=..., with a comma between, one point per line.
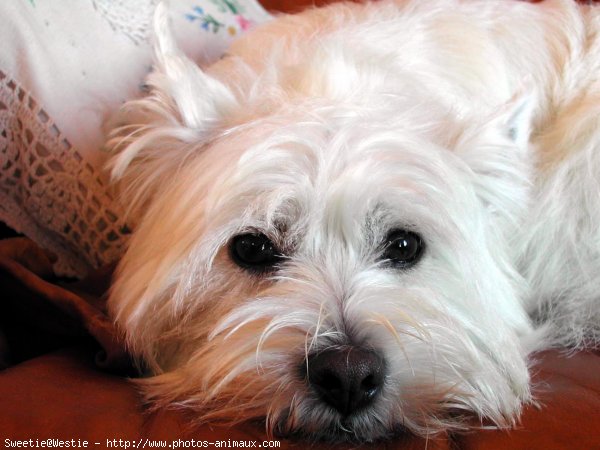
x=366, y=217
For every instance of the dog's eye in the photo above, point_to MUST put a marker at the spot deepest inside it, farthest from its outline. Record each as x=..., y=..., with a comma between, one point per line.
x=254, y=252
x=403, y=248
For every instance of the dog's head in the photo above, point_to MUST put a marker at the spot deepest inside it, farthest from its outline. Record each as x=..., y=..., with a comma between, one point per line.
x=335, y=257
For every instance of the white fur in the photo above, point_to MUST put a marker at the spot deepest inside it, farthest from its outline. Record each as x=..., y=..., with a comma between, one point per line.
x=475, y=123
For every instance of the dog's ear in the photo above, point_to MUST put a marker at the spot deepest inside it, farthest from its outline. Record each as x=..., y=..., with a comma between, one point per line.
x=154, y=134
x=514, y=119
x=199, y=98
x=498, y=152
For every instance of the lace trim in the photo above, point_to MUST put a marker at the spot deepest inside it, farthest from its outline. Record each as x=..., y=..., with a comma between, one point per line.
x=49, y=192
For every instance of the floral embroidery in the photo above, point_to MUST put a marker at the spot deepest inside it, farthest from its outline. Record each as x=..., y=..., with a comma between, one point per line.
x=207, y=21
x=227, y=8
x=243, y=23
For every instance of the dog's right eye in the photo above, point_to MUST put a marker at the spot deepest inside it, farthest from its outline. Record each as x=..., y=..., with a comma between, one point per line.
x=254, y=251
x=403, y=248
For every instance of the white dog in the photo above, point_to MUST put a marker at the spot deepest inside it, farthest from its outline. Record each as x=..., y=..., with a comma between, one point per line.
x=367, y=216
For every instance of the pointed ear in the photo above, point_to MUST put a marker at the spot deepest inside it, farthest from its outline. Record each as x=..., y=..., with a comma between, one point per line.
x=498, y=154
x=152, y=135
x=514, y=119
x=200, y=99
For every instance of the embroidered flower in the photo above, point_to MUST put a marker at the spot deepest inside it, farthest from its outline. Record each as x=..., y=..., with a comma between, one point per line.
x=244, y=23
x=207, y=21
x=230, y=13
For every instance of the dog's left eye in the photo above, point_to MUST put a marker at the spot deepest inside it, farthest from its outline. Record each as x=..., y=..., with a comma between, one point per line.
x=254, y=251
x=403, y=248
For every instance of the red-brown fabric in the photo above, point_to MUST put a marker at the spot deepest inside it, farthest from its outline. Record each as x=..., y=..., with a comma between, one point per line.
x=292, y=6
x=54, y=313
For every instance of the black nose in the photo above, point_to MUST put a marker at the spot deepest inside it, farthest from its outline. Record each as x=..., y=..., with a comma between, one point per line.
x=347, y=379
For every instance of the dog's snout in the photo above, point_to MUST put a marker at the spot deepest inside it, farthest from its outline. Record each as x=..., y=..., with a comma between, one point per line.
x=347, y=379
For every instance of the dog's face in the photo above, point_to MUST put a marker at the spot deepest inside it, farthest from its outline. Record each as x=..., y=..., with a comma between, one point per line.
x=343, y=269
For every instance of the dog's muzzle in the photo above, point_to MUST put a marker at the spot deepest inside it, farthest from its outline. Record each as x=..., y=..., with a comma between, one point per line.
x=348, y=379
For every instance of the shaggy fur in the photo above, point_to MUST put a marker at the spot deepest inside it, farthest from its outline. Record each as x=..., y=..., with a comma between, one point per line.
x=474, y=123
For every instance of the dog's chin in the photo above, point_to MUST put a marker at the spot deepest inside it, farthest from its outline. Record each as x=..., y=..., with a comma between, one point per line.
x=361, y=428
x=332, y=428
x=337, y=433
x=364, y=426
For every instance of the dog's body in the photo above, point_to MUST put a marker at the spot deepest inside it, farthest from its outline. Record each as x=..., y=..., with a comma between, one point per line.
x=411, y=187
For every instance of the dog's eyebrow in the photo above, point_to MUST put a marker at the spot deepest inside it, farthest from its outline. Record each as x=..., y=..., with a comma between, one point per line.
x=281, y=226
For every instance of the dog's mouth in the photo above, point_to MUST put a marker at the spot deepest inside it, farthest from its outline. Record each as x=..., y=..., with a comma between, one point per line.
x=362, y=428
x=344, y=384
x=365, y=418
x=343, y=432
